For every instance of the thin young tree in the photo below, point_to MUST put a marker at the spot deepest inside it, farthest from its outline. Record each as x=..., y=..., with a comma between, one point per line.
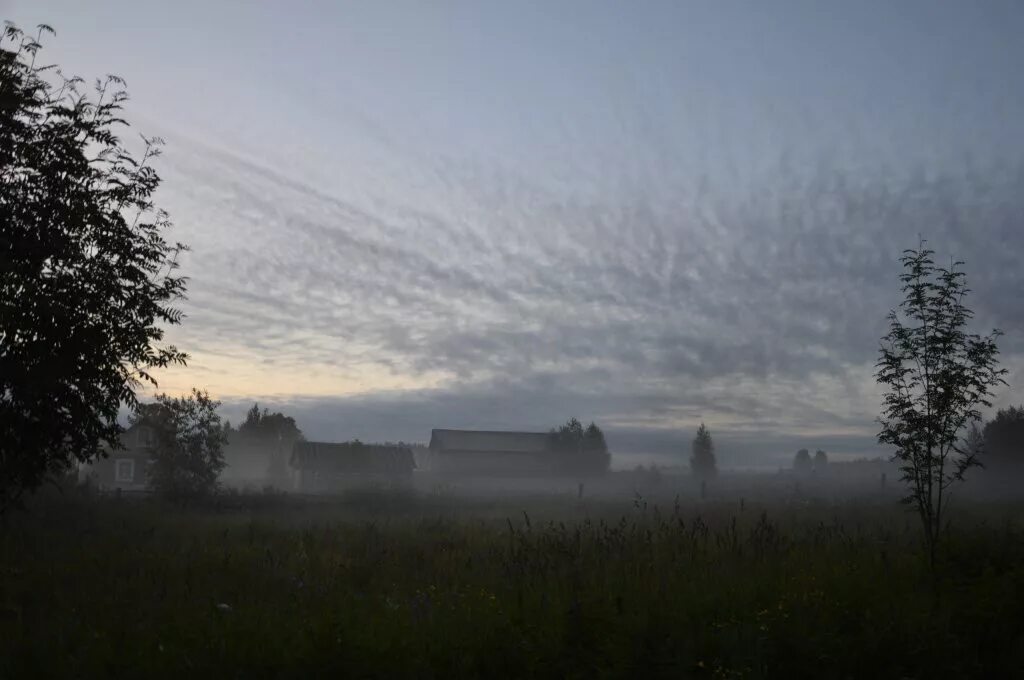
x=937, y=376
x=702, y=455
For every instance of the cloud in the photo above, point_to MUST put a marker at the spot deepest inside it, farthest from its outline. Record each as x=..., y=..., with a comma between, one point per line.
x=506, y=302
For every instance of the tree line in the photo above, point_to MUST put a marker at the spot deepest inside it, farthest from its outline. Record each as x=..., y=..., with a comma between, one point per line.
x=999, y=443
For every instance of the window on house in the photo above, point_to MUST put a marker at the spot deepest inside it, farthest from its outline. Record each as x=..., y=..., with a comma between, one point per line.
x=124, y=470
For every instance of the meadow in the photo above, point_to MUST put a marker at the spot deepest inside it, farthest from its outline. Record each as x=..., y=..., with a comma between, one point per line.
x=381, y=584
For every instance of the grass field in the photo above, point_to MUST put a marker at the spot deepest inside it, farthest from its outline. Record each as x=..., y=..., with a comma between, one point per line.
x=429, y=586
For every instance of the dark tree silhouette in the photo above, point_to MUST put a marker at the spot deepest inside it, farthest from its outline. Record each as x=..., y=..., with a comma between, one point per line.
x=702, y=455
x=593, y=439
x=937, y=376
x=86, y=276
x=569, y=436
x=190, y=440
x=802, y=463
x=267, y=426
x=820, y=460
x=1003, y=441
x=272, y=433
x=580, y=450
x=974, y=441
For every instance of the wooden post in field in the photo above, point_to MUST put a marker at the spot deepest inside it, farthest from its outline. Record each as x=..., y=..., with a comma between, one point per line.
x=743, y=503
x=580, y=496
x=703, y=489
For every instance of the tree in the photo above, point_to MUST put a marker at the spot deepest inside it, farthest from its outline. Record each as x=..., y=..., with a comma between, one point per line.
x=974, y=440
x=86, y=275
x=190, y=439
x=272, y=434
x=702, y=455
x=568, y=437
x=820, y=460
x=1003, y=441
x=937, y=376
x=593, y=439
x=579, y=450
x=268, y=426
x=803, y=463
x=596, y=456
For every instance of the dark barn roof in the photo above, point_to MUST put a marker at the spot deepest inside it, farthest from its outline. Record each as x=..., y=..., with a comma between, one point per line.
x=352, y=458
x=524, y=454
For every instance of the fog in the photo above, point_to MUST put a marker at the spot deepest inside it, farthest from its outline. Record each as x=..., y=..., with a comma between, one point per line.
x=479, y=339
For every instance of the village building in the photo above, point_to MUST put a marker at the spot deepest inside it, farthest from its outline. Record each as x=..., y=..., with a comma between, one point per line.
x=334, y=466
x=481, y=453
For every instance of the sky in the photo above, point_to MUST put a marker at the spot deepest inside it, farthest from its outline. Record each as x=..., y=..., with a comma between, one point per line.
x=410, y=215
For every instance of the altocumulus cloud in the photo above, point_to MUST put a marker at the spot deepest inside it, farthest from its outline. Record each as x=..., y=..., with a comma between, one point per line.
x=502, y=215
x=507, y=301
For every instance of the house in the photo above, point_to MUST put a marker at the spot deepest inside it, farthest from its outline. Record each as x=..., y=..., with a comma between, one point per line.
x=479, y=453
x=125, y=468
x=333, y=466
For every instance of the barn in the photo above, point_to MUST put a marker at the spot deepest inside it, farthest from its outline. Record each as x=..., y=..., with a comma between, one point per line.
x=333, y=466
x=481, y=453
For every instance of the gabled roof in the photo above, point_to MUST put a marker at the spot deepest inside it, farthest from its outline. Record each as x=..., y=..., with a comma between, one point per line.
x=488, y=441
x=129, y=439
x=351, y=457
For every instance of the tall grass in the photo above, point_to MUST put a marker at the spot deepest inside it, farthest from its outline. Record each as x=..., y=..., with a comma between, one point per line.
x=418, y=588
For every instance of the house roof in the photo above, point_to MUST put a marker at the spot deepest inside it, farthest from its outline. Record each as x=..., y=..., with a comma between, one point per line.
x=488, y=441
x=351, y=457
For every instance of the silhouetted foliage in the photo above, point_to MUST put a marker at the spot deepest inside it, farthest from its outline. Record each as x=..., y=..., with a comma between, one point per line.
x=1003, y=441
x=593, y=439
x=568, y=437
x=268, y=426
x=820, y=460
x=702, y=455
x=85, y=273
x=974, y=441
x=802, y=463
x=273, y=434
x=937, y=376
x=190, y=438
x=581, y=450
